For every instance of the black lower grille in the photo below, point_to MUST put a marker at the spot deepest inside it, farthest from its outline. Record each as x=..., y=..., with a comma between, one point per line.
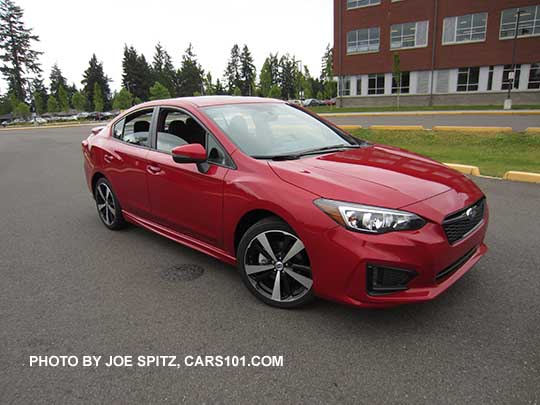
x=455, y=266
x=458, y=225
x=385, y=280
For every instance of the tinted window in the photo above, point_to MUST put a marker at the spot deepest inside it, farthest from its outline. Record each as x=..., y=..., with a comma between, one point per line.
x=176, y=128
x=216, y=154
x=135, y=128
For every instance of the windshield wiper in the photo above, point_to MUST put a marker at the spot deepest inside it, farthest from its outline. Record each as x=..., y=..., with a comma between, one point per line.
x=298, y=155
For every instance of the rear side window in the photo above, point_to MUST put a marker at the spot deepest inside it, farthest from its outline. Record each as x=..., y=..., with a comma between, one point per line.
x=135, y=128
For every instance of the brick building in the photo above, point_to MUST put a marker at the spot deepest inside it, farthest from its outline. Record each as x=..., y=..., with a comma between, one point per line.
x=451, y=52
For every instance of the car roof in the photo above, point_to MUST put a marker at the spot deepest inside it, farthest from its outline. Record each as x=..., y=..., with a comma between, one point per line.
x=207, y=101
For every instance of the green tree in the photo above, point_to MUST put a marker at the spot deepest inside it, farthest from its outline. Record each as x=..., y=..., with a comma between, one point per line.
x=232, y=71
x=163, y=70
x=219, y=89
x=159, y=92
x=396, y=76
x=63, y=100
x=22, y=110
x=237, y=91
x=248, y=72
x=137, y=75
x=288, y=77
x=18, y=58
x=275, y=92
x=94, y=75
x=137, y=100
x=5, y=104
x=52, y=105
x=39, y=95
x=99, y=102
x=57, y=80
x=79, y=101
x=123, y=100
x=327, y=64
x=190, y=76
x=269, y=74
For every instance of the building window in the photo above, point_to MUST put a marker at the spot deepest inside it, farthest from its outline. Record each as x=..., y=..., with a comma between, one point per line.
x=490, y=78
x=465, y=28
x=409, y=35
x=534, y=76
x=468, y=79
x=529, y=22
x=346, y=87
x=404, y=85
x=361, y=3
x=363, y=40
x=507, y=73
x=359, y=87
x=376, y=84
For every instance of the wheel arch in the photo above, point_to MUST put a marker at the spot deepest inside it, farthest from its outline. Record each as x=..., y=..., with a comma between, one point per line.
x=249, y=219
x=95, y=178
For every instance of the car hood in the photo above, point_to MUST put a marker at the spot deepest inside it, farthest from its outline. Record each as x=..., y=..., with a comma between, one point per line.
x=375, y=175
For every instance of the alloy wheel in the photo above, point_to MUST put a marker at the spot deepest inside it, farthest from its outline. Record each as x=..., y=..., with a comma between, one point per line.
x=105, y=204
x=278, y=267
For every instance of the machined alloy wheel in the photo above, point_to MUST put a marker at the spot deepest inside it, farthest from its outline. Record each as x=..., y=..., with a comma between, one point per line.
x=108, y=206
x=275, y=265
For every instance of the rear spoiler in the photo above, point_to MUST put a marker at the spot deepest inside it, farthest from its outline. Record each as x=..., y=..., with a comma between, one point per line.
x=97, y=130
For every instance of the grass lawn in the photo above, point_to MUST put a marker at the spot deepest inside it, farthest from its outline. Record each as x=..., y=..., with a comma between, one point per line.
x=495, y=154
x=325, y=109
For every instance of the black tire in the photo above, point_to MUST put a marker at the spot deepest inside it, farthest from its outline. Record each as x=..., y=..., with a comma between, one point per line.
x=108, y=206
x=258, y=284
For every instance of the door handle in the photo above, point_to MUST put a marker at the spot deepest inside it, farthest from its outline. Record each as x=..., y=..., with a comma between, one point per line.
x=108, y=158
x=153, y=169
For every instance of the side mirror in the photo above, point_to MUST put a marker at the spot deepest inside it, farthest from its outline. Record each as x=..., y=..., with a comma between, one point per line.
x=192, y=153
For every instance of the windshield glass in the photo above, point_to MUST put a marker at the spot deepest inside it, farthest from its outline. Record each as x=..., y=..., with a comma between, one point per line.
x=267, y=130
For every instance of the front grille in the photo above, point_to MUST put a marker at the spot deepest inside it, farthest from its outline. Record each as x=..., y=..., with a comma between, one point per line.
x=455, y=266
x=385, y=280
x=458, y=225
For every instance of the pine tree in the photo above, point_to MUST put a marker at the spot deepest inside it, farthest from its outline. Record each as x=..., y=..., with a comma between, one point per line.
x=57, y=80
x=136, y=76
x=163, y=69
x=190, y=76
x=123, y=100
x=39, y=95
x=209, y=88
x=16, y=53
x=248, y=73
x=275, y=92
x=269, y=74
x=327, y=64
x=52, y=105
x=94, y=75
x=219, y=89
x=63, y=100
x=288, y=77
x=98, y=100
x=79, y=101
x=232, y=71
x=159, y=92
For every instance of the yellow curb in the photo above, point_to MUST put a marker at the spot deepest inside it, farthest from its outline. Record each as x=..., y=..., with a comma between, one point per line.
x=472, y=129
x=350, y=127
x=522, y=176
x=405, y=113
x=533, y=130
x=14, y=128
x=397, y=127
x=465, y=169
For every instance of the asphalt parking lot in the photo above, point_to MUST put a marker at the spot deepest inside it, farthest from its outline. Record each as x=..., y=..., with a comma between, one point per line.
x=518, y=122
x=70, y=286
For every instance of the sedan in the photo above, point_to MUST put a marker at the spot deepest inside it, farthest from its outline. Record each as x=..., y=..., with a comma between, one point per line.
x=302, y=208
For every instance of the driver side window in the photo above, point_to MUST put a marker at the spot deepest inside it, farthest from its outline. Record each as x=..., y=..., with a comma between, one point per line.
x=135, y=128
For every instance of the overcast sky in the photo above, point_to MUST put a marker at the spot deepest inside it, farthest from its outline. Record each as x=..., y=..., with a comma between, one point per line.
x=70, y=31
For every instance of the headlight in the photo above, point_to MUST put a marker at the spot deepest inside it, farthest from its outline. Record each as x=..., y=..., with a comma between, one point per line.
x=364, y=218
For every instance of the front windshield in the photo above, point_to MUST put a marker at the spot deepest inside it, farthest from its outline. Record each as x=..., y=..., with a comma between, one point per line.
x=272, y=129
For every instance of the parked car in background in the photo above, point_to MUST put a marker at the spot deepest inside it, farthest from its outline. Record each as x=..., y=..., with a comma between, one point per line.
x=330, y=102
x=312, y=102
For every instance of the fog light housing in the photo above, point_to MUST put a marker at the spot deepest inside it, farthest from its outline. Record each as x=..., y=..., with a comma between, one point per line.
x=386, y=280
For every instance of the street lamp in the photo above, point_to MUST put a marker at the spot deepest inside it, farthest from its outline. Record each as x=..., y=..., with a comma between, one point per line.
x=512, y=74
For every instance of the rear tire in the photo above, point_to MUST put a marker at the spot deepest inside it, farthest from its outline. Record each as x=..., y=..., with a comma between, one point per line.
x=108, y=206
x=274, y=264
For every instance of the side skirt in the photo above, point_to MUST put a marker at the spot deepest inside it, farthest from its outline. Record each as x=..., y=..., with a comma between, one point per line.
x=181, y=238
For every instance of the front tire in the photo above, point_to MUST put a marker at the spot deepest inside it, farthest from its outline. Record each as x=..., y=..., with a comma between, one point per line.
x=108, y=206
x=274, y=264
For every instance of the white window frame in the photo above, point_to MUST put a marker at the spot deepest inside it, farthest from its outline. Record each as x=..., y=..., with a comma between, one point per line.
x=368, y=41
x=370, y=3
x=531, y=81
x=469, y=83
x=401, y=87
x=376, y=83
x=536, y=23
x=415, y=46
x=471, y=28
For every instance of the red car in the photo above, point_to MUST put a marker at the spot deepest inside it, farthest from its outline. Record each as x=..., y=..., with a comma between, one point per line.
x=301, y=207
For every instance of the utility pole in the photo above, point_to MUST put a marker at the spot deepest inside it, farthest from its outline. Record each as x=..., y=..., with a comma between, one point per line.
x=433, y=51
x=512, y=74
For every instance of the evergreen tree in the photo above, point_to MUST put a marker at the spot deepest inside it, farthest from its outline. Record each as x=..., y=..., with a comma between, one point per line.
x=327, y=64
x=288, y=77
x=209, y=88
x=16, y=53
x=190, y=76
x=98, y=100
x=219, y=89
x=21, y=110
x=269, y=74
x=52, y=105
x=57, y=80
x=275, y=92
x=123, y=100
x=63, y=100
x=79, y=101
x=39, y=95
x=163, y=69
x=5, y=104
x=159, y=92
x=94, y=75
x=248, y=73
x=137, y=75
x=232, y=71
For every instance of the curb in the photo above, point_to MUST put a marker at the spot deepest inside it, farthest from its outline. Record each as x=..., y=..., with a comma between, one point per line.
x=350, y=127
x=397, y=127
x=428, y=113
x=533, y=130
x=522, y=176
x=447, y=128
x=52, y=126
x=465, y=169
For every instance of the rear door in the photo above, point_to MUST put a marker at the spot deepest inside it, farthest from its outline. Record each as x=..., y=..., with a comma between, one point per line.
x=187, y=198
x=126, y=164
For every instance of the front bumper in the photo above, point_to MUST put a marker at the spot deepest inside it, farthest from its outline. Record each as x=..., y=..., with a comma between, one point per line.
x=340, y=259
